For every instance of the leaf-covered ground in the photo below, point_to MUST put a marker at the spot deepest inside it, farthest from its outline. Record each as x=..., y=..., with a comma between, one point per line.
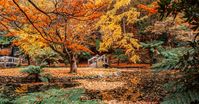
x=114, y=86
x=141, y=86
x=59, y=72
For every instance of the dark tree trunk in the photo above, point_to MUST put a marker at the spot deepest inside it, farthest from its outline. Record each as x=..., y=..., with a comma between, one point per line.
x=28, y=58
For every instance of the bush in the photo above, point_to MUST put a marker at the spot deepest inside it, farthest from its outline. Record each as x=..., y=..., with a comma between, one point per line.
x=55, y=96
x=32, y=70
x=184, y=89
x=36, y=73
x=45, y=77
x=4, y=100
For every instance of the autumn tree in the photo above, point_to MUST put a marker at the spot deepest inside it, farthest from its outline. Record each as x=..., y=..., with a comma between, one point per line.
x=63, y=25
x=114, y=23
x=35, y=50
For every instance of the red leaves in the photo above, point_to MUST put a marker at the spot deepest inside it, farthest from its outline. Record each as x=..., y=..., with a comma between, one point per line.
x=151, y=10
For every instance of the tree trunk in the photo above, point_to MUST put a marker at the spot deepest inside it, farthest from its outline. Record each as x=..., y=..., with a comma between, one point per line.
x=28, y=58
x=73, y=64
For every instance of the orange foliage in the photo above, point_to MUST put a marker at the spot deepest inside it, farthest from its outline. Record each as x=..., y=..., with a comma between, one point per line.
x=57, y=23
x=124, y=65
x=77, y=47
x=5, y=52
x=150, y=10
x=63, y=25
x=95, y=15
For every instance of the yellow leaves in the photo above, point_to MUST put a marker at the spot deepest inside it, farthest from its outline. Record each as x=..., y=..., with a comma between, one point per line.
x=31, y=44
x=112, y=28
x=100, y=2
x=130, y=45
x=121, y=3
x=22, y=88
x=104, y=47
x=130, y=50
x=135, y=43
x=113, y=37
x=132, y=15
x=134, y=58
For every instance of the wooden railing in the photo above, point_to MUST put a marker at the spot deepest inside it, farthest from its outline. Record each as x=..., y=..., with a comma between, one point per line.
x=102, y=59
x=93, y=62
x=6, y=61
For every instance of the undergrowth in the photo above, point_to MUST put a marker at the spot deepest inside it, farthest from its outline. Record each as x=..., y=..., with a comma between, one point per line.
x=52, y=96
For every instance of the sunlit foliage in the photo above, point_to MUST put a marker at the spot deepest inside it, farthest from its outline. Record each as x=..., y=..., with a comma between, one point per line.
x=61, y=25
x=113, y=25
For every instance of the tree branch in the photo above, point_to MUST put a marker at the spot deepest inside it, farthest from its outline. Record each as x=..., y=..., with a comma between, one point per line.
x=34, y=5
x=6, y=27
x=26, y=16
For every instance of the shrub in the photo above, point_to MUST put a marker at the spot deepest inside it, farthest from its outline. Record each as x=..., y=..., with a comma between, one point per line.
x=184, y=89
x=55, y=96
x=45, y=77
x=36, y=73
x=32, y=70
x=4, y=100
